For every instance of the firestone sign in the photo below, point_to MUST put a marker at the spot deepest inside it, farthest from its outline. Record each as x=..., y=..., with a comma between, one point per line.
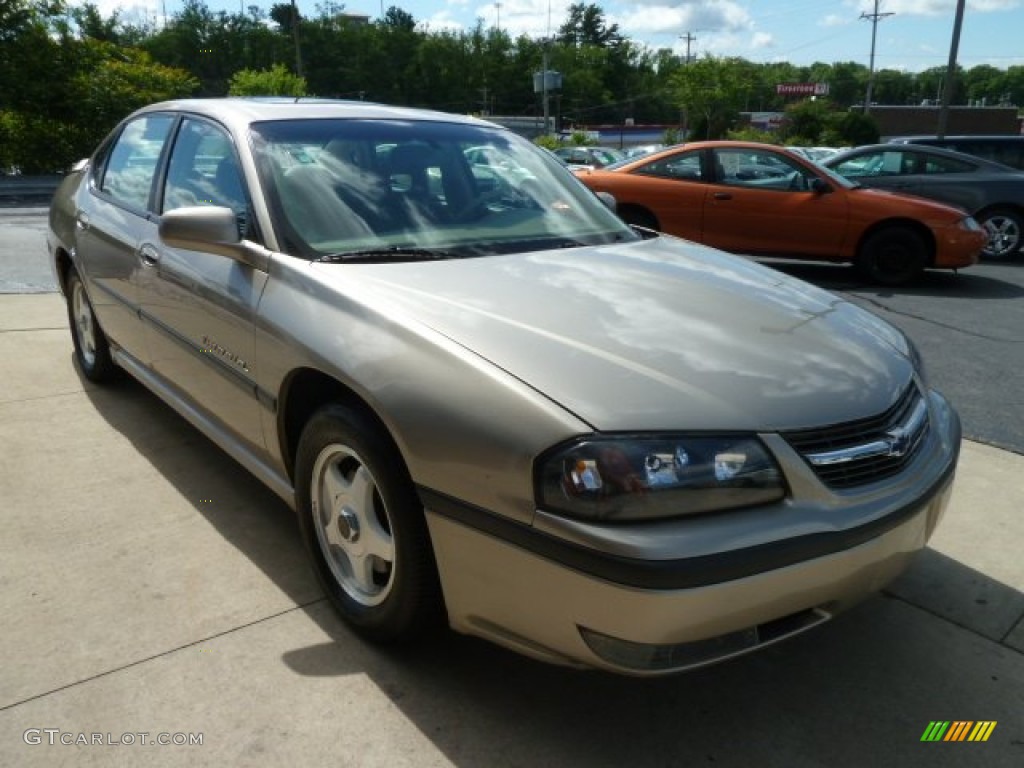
x=802, y=89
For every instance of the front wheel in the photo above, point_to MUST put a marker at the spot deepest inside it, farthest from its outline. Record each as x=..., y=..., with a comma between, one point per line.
x=1004, y=228
x=364, y=527
x=893, y=256
x=92, y=350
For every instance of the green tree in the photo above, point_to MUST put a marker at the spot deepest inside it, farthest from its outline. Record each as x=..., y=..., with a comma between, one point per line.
x=276, y=81
x=396, y=18
x=851, y=129
x=115, y=81
x=586, y=25
x=1015, y=84
x=985, y=83
x=91, y=23
x=712, y=91
x=806, y=121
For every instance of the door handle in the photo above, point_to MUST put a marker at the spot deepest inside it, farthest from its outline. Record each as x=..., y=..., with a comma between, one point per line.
x=723, y=196
x=150, y=255
x=82, y=221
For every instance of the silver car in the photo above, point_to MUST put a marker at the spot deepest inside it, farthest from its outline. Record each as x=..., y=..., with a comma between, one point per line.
x=496, y=405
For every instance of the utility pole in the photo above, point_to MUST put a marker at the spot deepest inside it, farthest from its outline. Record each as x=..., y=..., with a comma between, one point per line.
x=497, y=9
x=950, y=82
x=689, y=38
x=544, y=86
x=295, y=36
x=874, y=18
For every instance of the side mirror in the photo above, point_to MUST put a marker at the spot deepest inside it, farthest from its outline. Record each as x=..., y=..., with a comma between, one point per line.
x=820, y=187
x=210, y=229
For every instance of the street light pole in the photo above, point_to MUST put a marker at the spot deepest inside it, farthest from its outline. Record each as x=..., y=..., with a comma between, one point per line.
x=950, y=82
x=544, y=85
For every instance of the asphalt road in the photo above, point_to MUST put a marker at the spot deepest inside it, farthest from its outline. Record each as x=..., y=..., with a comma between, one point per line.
x=969, y=326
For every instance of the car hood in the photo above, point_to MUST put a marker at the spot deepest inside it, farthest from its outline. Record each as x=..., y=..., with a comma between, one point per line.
x=656, y=334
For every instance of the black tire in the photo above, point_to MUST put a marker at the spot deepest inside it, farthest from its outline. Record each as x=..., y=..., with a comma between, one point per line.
x=638, y=217
x=365, y=529
x=1005, y=229
x=893, y=256
x=92, y=350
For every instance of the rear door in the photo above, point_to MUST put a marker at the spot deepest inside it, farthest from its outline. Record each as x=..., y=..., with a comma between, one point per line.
x=115, y=215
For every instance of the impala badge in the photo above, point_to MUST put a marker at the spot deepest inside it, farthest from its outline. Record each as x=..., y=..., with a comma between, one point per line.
x=211, y=347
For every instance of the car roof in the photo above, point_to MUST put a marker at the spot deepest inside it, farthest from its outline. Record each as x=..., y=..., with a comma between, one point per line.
x=958, y=137
x=239, y=112
x=672, y=149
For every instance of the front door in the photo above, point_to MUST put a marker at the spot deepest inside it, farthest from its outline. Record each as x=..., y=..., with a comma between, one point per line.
x=198, y=308
x=761, y=202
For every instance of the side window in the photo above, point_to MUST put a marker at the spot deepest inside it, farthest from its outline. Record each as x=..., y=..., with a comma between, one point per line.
x=1008, y=153
x=759, y=169
x=132, y=164
x=203, y=169
x=684, y=166
x=862, y=165
x=933, y=165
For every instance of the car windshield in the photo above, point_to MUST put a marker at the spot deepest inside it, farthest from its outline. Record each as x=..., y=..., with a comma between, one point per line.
x=389, y=189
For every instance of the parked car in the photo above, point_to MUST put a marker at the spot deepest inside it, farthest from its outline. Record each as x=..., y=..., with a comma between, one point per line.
x=510, y=412
x=760, y=199
x=991, y=192
x=1006, y=149
x=589, y=157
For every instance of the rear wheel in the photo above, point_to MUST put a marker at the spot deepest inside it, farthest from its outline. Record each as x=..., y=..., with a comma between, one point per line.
x=364, y=527
x=1004, y=229
x=893, y=256
x=92, y=350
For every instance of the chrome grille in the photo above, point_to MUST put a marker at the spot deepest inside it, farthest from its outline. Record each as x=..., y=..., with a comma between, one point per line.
x=867, y=450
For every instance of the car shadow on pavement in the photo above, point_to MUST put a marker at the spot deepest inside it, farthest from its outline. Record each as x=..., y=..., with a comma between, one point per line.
x=963, y=284
x=859, y=690
x=244, y=511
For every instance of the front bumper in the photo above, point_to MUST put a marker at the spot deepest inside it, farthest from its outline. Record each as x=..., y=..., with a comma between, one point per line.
x=601, y=607
x=956, y=247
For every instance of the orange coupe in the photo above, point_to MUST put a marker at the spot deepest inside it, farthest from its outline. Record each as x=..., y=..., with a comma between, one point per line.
x=763, y=200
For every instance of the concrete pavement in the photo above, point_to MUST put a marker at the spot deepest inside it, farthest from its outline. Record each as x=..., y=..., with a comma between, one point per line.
x=148, y=585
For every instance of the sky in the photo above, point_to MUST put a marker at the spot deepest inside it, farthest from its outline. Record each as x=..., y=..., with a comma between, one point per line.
x=916, y=36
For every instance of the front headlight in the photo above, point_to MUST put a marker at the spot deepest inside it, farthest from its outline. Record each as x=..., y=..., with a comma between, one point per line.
x=633, y=478
x=970, y=224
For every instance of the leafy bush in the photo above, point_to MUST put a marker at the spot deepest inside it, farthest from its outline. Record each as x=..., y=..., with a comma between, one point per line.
x=276, y=81
x=32, y=144
x=753, y=134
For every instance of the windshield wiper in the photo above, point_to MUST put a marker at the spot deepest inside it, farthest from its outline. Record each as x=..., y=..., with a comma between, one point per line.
x=393, y=253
